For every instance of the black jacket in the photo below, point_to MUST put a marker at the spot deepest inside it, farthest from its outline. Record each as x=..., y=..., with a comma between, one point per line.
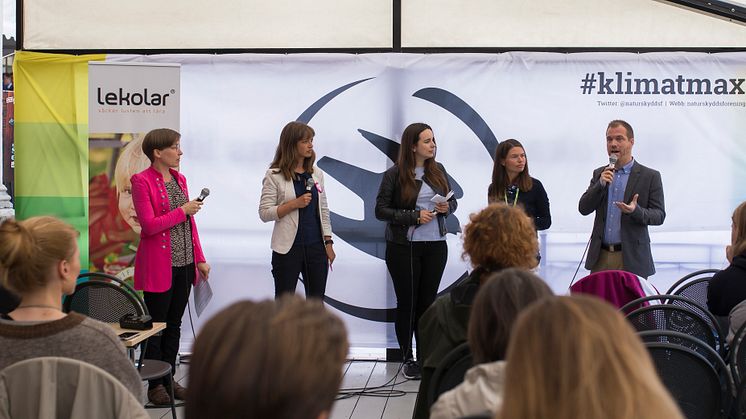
x=727, y=288
x=400, y=215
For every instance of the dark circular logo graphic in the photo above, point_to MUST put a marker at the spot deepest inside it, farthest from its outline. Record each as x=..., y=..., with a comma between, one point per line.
x=367, y=235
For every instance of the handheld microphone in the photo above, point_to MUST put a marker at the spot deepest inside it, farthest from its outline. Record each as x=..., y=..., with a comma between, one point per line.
x=202, y=195
x=310, y=184
x=613, y=158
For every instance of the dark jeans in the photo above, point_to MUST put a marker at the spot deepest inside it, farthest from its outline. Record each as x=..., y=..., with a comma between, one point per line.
x=310, y=261
x=416, y=270
x=169, y=307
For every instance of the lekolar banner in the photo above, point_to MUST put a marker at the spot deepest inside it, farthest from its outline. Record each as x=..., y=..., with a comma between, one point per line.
x=125, y=101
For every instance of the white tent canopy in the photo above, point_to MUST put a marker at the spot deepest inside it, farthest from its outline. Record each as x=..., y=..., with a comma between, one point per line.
x=352, y=24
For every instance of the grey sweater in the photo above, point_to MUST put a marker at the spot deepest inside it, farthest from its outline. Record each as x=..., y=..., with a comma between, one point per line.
x=74, y=336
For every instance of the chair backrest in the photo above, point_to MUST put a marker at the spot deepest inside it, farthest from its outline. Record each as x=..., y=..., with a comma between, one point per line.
x=102, y=301
x=692, y=381
x=616, y=287
x=450, y=372
x=738, y=355
x=677, y=319
x=101, y=276
x=708, y=273
x=736, y=319
x=687, y=341
x=695, y=290
x=681, y=301
x=739, y=411
x=61, y=388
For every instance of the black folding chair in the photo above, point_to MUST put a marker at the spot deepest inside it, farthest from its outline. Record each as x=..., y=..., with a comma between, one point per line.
x=681, y=301
x=108, y=302
x=740, y=406
x=738, y=356
x=687, y=341
x=450, y=372
x=677, y=319
x=693, y=382
x=694, y=285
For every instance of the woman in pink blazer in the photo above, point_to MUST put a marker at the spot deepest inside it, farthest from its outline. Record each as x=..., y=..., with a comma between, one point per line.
x=169, y=255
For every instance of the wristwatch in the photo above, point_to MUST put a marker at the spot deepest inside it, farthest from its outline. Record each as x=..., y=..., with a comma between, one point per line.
x=330, y=241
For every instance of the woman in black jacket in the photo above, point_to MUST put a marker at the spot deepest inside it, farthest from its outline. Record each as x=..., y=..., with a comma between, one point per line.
x=512, y=184
x=416, y=250
x=727, y=288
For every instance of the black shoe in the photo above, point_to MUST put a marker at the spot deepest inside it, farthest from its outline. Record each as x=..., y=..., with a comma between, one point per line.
x=411, y=370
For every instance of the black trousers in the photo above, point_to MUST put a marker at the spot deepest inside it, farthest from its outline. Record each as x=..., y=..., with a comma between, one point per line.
x=309, y=261
x=416, y=270
x=169, y=307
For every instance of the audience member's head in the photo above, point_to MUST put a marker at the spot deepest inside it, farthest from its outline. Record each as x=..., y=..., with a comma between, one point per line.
x=270, y=359
x=496, y=306
x=578, y=358
x=38, y=253
x=738, y=232
x=501, y=236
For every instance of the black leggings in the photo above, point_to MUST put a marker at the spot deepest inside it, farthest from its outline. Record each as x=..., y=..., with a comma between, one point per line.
x=169, y=307
x=416, y=270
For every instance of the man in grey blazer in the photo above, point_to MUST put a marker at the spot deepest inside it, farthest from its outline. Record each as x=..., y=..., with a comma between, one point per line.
x=627, y=197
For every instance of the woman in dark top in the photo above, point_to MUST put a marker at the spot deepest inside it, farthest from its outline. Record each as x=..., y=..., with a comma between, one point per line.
x=294, y=198
x=512, y=184
x=728, y=287
x=416, y=250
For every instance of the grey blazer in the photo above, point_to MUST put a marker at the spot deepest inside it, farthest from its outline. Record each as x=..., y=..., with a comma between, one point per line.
x=276, y=190
x=650, y=210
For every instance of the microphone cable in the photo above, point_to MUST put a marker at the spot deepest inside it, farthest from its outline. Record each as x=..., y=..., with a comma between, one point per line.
x=587, y=245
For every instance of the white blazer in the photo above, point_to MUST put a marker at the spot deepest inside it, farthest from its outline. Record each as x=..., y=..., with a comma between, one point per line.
x=275, y=192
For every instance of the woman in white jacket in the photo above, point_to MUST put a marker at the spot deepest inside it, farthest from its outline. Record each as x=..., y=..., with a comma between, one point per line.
x=293, y=196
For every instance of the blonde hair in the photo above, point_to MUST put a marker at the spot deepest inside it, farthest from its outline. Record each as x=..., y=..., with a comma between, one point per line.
x=131, y=161
x=274, y=358
x=738, y=246
x=30, y=248
x=501, y=236
x=578, y=358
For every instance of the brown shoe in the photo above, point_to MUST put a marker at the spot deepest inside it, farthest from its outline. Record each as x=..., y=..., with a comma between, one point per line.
x=179, y=391
x=159, y=396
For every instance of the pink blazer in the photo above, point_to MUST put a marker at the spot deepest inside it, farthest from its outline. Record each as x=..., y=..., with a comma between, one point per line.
x=153, y=258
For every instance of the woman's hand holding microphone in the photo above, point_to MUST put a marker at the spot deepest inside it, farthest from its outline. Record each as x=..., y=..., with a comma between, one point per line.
x=192, y=207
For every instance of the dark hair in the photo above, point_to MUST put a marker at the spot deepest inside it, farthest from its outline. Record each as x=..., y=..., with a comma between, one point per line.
x=620, y=123
x=30, y=248
x=497, y=304
x=500, y=179
x=500, y=236
x=286, y=154
x=269, y=359
x=406, y=164
x=158, y=139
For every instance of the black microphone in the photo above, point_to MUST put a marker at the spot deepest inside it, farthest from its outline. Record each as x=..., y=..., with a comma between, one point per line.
x=203, y=194
x=310, y=184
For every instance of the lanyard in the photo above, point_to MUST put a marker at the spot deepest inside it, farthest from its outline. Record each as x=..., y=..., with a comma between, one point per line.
x=517, y=191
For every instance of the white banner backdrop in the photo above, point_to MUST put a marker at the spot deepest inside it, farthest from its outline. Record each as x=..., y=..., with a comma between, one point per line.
x=688, y=111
